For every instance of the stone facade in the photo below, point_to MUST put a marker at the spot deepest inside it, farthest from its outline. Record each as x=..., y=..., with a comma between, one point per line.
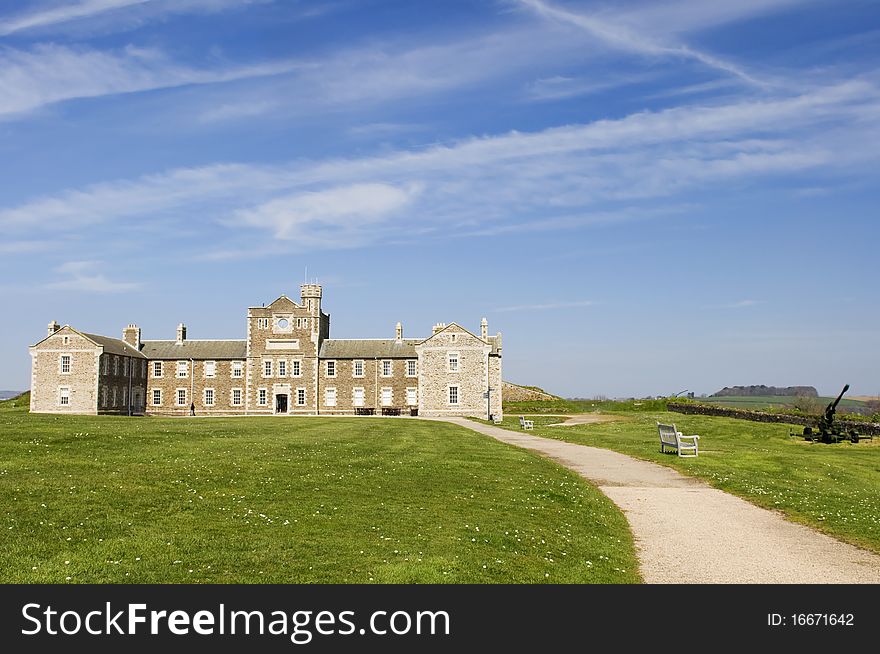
x=287, y=365
x=75, y=372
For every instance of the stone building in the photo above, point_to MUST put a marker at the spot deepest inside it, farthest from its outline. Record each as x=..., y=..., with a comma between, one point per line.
x=287, y=365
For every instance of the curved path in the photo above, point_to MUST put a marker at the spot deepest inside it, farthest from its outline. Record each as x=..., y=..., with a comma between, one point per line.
x=688, y=532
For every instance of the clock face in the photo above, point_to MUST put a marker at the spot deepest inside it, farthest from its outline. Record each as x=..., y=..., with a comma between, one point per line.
x=283, y=323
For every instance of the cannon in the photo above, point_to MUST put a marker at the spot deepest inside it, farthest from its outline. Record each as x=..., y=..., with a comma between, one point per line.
x=828, y=432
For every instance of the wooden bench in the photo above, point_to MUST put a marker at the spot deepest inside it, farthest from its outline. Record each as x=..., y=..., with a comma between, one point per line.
x=526, y=424
x=364, y=411
x=671, y=437
x=390, y=411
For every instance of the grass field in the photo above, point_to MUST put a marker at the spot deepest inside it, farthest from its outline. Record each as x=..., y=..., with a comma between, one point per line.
x=300, y=500
x=835, y=488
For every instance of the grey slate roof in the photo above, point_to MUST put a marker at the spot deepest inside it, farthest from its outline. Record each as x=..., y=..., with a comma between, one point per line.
x=358, y=348
x=202, y=350
x=113, y=345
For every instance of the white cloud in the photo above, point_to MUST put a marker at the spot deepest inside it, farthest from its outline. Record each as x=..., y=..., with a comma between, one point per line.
x=83, y=276
x=339, y=212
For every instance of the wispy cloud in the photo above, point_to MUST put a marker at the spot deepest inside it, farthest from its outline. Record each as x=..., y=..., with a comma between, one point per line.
x=47, y=74
x=626, y=38
x=85, y=276
x=741, y=304
x=557, y=178
x=238, y=110
x=62, y=15
x=546, y=307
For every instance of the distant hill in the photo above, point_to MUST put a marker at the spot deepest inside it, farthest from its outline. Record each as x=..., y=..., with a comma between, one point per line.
x=5, y=395
x=515, y=393
x=765, y=391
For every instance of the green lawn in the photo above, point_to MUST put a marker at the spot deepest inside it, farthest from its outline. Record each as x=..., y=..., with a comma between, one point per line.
x=835, y=488
x=293, y=500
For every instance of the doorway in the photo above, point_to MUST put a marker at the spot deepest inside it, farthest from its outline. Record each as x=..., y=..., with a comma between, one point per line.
x=281, y=404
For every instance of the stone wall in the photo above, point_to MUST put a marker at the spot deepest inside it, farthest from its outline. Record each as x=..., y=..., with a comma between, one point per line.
x=194, y=384
x=124, y=375
x=47, y=378
x=372, y=382
x=435, y=378
x=867, y=428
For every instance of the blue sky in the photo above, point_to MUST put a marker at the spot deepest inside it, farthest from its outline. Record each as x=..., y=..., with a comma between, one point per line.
x=644, y=197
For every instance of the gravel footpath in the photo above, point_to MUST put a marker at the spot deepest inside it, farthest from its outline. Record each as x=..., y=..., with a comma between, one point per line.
x=688, y=532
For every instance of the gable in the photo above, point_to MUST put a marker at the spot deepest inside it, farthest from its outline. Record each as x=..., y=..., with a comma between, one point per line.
x=453, y=336
x=56, y=341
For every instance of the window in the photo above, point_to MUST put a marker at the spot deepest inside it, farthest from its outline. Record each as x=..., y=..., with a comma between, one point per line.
x=282, y=368
x=453, y=394
x=267, y=368
x=125, y=368
x=157, y=368
x=331, y=368
x=262, y=397
x=64, y=396
x=124, y=396
x=104, y=396
x=157, y=396
x=115, y=365
x=412, y=396
x=295, y=368
x=357, y=368
x=306, y=323
x=411, y=369
x=114, y=403
x=210, y=368
x=66, y=340
x=283, y=323
x=386, y=368
x=182, y=369
x=301, y=396
x=105, y=363
x=236, y=397
x=262, y=323
x=65, y=364
x=209, y=397
x=181, y=397
x=357, y=396
x=387, y=396
x=330, y=397
x=237, y=368
x=144, y=368
x=453, y=361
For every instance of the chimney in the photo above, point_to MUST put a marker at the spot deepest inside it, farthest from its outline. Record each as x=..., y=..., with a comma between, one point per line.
x=440, y=326
x=132, y=336
x=53, y=327
x=181, y=333
x=484, y=329
x=399, y=331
